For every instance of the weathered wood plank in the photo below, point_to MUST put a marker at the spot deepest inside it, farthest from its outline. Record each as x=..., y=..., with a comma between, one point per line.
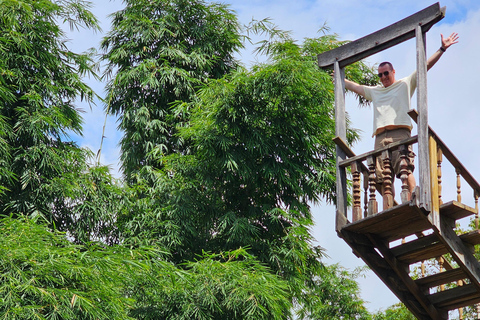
x=392, y=224
x=340, y=131
x=382, y=39
x=455, y=298
x=441, y=278
x=422, y=128
x=456, y=210
x=472, y=237
x=429, y=247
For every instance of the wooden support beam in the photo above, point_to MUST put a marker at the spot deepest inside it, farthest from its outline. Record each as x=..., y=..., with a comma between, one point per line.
x=340, y=131
x=424, y=197
x=382, y=39
x=459, y=251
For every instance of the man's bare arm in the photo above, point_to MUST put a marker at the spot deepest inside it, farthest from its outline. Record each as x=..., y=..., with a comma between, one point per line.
x=445, y=44
x=355, y=87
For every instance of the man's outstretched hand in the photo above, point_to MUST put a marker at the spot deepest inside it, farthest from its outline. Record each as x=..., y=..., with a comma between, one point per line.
x=447, y=42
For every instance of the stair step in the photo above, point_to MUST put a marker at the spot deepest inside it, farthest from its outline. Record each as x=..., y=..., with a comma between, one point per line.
x=429, y=247
x=456, y=210
x=455, y=298
x=441, y=278
x=392, y=224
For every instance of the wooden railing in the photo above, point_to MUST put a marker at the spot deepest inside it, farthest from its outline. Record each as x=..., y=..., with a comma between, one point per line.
x=364, y=178
x=364, y=166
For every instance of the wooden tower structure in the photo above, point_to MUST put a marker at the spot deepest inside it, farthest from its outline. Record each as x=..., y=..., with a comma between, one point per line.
x=423, y=220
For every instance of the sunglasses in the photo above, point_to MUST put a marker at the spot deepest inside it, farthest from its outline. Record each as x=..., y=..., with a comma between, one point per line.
x=385, y=73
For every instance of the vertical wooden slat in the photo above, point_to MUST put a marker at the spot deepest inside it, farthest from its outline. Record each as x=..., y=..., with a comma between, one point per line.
x=435, y=208
x=340, y=131
x=423, y=152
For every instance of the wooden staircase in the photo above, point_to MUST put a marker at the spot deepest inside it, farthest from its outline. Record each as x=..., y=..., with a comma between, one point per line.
x=371, y=239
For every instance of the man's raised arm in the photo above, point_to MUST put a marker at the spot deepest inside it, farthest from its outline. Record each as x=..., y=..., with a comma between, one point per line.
x=446, y=43
x=355, y=87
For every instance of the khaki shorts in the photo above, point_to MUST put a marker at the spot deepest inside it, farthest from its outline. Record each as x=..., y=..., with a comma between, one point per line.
x=385, y=138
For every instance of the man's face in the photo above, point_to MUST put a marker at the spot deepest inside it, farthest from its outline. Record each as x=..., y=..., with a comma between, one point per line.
x=386, y=80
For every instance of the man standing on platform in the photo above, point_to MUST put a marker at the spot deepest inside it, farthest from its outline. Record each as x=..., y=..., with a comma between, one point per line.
x=391, y=103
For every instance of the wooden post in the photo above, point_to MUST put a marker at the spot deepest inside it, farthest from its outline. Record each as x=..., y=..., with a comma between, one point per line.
x=340, y=131
x=423, y=152
x=435, y=208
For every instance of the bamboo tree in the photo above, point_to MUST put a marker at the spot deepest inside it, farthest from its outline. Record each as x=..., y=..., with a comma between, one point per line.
x=160, y=52
x=40, y=81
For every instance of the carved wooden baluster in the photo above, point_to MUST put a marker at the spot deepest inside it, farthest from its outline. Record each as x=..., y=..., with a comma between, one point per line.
x=440, y=262
x=365, y=194
x=459, y=188
x=475, y=196
x=372, y=202
x=357, y=209
x=439, y=174
x=387, y=180
x=460, y=310
x=405, y=194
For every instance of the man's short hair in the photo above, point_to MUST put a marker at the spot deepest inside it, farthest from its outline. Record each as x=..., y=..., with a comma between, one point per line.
x=386, y=63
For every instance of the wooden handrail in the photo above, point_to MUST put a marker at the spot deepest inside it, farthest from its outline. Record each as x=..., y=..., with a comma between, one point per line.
x=450, y=156
x=376, y=152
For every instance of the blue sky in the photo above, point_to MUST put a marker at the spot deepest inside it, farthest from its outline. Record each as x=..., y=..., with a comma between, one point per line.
x=454, y=111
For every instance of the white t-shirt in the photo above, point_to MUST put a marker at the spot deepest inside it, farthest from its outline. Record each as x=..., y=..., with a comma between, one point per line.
x=390, y=105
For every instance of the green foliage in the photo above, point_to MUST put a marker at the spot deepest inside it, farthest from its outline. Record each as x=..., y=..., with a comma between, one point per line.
x=44, y=276
x=395, y=312
x=40, y=80
x=161, y=51
x=232, y=285
x=336, y=296
x=88, y=204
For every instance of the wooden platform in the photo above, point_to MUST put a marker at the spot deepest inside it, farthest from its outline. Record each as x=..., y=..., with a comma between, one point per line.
x=374, y=239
